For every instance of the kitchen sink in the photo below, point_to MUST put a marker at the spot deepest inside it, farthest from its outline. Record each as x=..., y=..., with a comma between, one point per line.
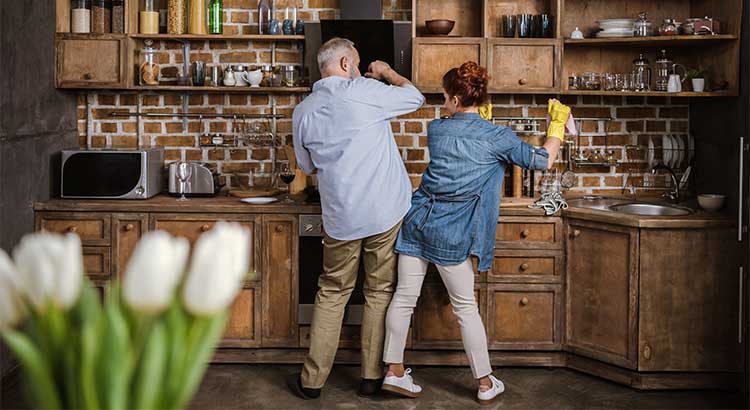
x=646, y=209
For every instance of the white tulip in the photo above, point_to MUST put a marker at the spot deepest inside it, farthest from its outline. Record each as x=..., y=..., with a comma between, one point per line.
x=51, y=267
x=154, y=271
x=219, y=265
x=12, y=309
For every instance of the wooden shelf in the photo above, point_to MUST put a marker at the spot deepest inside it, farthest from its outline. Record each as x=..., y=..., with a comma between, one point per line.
x=238, y=37
x=647, y=93
x=248, y=90
x=654, y=41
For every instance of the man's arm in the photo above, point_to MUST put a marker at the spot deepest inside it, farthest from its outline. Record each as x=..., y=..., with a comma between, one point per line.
x=380, y=70
x=400, y=98
x=304, y=161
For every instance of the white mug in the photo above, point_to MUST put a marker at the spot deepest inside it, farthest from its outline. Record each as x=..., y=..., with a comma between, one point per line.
x=675, y=83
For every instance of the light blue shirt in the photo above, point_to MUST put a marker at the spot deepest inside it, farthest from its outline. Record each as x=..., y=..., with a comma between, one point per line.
x=342, y=130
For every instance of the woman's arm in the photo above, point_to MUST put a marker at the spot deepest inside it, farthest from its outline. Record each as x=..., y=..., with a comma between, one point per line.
x=552, y=146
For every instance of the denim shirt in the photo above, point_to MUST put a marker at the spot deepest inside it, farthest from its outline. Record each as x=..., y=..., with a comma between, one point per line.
x=454, y=212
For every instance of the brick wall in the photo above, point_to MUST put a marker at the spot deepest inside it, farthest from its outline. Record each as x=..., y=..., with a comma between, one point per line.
x=635, y=118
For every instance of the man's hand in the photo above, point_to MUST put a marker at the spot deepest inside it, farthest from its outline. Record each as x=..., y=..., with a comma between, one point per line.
x=377, y=70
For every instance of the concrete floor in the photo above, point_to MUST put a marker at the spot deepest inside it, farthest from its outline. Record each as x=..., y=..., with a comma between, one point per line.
x=263, y=387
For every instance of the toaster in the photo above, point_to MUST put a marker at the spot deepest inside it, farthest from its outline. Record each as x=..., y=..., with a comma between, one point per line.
x=202, y=181
x=111, y=173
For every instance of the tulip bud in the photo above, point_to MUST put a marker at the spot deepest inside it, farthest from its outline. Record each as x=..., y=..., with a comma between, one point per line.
x=219, y=265
x=51, y=268
x=12, y=308
x=154, y=271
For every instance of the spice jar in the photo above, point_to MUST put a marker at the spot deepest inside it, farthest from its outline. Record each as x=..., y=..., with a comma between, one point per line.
x=176, y=17
x=290, y=76
x=276, y=78
x=101, y=16
x=149, y=19
x=267, y=71
x=149, y=69
x=591, y=81
x=197, y=17
x=668, y=28
x=80, y=16
x=118, y=16
x=642, y=27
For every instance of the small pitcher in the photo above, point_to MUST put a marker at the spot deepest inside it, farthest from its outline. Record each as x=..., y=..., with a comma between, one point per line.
x=675, y=80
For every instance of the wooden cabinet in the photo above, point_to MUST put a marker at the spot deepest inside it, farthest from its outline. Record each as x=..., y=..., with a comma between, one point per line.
x=244, y=322
x=96, y=262
x=280, y=283
x=127, y=229
x=433, y=57
x=524, y=65
x=526, y=266
x=93, y=228
x=524, y=317
x=434, y=325
x=523, y=232
x=85, y=61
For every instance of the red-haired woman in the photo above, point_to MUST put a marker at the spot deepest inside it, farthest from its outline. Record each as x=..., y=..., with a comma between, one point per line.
x=454, y=215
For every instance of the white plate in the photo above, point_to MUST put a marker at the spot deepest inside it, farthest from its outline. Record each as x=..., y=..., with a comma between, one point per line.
x=650, y=155
x=261, y=200
x=604, y=34
x=666, y=154
x=681, y=147
x=616, y=23
x=617, y=30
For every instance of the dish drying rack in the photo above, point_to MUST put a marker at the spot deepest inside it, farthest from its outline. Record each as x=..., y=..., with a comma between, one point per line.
x=640, y=160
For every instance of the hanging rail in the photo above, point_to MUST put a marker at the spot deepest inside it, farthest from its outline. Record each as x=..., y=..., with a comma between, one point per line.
x=197, y=115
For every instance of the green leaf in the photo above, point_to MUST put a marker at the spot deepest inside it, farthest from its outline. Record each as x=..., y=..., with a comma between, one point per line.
x=90, y=316
x=116, y=362
x=36, y=369
x=151, y=369
x=176, y=320
x=202, y=339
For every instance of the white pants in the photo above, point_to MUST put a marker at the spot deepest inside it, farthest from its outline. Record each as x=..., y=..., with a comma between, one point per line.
x=459, y=281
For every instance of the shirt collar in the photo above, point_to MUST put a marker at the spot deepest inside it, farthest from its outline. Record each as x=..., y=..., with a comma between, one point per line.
x=466, y=116
x=323, y=82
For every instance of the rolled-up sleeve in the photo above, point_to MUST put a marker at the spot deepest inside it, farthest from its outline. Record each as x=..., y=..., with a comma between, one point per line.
x=304, y=161
x=393, y=101
x=512, y=149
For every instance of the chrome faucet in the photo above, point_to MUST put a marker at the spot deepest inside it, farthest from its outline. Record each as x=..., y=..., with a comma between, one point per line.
x=674, y=193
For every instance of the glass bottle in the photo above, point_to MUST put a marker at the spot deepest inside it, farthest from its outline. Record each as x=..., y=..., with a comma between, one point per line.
x=197, y=17
x=216, y=17
x=149, y=69
x=264, y=16
x=80, y=16
x=149, y=19
x=101, y=16
x=118, y=16
x=176, y=17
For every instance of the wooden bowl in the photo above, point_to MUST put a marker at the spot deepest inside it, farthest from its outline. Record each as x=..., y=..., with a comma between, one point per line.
x=441, y=27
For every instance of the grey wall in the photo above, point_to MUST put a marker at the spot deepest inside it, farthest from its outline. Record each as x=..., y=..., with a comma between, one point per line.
x=36, y=120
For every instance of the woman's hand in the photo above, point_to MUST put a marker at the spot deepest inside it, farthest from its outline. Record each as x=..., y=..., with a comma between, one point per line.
x=559, y=114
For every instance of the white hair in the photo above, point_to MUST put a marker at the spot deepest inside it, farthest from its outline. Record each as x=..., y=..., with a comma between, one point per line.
x=332, y=51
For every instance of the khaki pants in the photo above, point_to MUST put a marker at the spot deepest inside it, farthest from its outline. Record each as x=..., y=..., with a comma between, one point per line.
x=340, y=267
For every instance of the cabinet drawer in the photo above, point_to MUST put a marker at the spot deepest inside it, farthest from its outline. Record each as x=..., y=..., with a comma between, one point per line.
x=92, y=228
x=526, y=266
x=529, y=233
x=524, y=317
x=77, y=69
x=434, y=324
x=96, y=262
x=434, y=57
x=243, y=325
x=528, y=65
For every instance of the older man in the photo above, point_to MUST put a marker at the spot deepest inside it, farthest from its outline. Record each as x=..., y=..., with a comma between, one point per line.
x=342, y=131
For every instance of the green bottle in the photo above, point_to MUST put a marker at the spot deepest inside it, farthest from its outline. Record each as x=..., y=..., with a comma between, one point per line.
x=216, y=17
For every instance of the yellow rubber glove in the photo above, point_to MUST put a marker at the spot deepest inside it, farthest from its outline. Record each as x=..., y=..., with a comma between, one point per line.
x=559, y=114
x=486, y=112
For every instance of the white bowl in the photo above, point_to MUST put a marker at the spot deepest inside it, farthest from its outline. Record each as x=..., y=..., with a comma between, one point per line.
x=711, y=202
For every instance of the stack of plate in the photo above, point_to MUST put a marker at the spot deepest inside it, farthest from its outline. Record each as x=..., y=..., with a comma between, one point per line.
x=615, y=28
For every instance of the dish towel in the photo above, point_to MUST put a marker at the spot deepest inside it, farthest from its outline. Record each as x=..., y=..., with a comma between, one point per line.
x=551, y=202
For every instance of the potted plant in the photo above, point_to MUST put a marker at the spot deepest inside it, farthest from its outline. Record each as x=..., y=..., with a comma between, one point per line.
x=146, y=345
x=698, y=77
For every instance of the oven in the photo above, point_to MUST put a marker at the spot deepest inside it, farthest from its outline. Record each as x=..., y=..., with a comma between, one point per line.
x=310, y=268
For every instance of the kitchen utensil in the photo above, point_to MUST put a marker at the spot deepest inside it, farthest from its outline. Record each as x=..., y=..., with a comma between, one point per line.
x=663, y=68
x=259, y=200
x=641, y=26
x=287, y=175
x=525, y=25
x=674, y=84
x=509, y=25
x=440, y=27
x=229, y=77
x=685, y=177
x=568, y=178
x=666, y=145
x=239, y=75
x=577, y=34
x=711, y=202
x=253, y=77
x=642, y=73
x=199, y=73
x=650, y=153
x=201, y=182
x=213, y=76
x=183, y=171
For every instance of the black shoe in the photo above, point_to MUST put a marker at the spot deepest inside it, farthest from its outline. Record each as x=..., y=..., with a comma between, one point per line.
x=369, y=387
x=294, y=382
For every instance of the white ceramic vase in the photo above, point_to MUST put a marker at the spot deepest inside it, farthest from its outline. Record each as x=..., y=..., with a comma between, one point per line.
x=699, y=84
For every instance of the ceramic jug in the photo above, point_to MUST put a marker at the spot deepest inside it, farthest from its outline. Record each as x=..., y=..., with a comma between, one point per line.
x=675, y=80
x=254, y=77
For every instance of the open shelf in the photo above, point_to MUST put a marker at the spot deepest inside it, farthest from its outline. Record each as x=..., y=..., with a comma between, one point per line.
x=647, y=93
x=248, y=90
x=653, y=41
x=237, y=37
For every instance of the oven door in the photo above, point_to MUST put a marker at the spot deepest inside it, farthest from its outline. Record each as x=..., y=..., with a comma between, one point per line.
x=310, y=268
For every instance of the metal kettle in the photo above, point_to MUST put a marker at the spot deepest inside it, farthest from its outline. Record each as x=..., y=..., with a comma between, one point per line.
x=642, y=73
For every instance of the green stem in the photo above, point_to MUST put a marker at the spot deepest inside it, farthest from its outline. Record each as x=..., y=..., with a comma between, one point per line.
x=35, y=368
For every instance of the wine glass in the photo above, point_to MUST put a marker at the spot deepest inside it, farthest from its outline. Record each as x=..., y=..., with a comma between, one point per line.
x=287, y=176
x=184, y=172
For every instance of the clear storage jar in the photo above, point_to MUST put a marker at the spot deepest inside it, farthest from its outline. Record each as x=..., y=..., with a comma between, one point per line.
x=101, y=16
x=118, y=16
x=176, y=17
x=80, y=16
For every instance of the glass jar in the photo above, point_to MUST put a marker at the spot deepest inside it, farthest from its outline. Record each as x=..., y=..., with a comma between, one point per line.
x=216, y=17
x=101, y=16
x=118, y=16
x=662, y=70
x=267, y=71
x=591, y=81
x=149, y=69
x=668, y=28
x=197, y=17
x=276, y=79
x=149, y=19
x=290, y=76
x=642, y=27
x=80, y=16
x=176, y=17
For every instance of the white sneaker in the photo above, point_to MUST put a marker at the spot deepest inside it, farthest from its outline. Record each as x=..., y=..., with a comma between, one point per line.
x=402, y=386
x=491, y=394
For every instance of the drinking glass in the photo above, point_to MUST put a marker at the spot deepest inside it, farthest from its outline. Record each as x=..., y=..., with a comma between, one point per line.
x=545, y=21
x=287, y=176
x=184, y=172
x=525, y=29
x=509, y=26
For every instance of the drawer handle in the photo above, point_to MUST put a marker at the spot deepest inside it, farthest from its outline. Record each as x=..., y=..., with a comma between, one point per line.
x=576, y=233
x=88, y=76
x=524, y=301
x=72, y=229
x=129, y=227
x=524, y=267
x=523, y=81
x=279, y=228
x=205, y=227
x=525, y=233
x=647, y=352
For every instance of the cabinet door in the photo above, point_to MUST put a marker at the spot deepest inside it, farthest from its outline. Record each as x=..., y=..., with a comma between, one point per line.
x=96, y=262
x=243, y=325
x=523, y=66
x=280, y=284
x=86, y=62
x=434, y=324
x=526, y=266
x=435, y=57
x=602, y=292
x=92, y=228
x=127, y=229
x=524, y=317
x=689, y=316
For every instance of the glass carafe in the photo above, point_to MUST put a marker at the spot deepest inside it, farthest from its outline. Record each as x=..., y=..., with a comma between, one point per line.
x=663, y=70
x=642, y=74
x=149, y=69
